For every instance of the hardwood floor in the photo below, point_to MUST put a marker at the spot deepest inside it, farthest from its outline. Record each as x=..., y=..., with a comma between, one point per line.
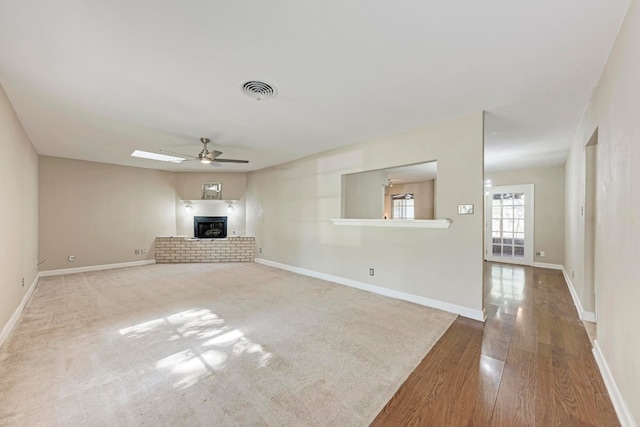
x=529, y=364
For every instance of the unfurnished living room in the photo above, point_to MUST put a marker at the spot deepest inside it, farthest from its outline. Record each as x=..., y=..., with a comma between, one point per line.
x=319, y=213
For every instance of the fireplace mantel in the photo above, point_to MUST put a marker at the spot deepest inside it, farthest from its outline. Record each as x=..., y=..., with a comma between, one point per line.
x=402, y=223
x=210, y=202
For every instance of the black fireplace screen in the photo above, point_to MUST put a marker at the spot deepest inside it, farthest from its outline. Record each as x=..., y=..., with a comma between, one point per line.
x=210, y=227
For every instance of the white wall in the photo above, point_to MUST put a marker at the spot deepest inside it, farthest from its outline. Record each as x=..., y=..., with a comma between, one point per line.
x=188, y=185
x=615, y=110
x=363, y=194
x=549, y=207
x=290, y=206
x=18, y=211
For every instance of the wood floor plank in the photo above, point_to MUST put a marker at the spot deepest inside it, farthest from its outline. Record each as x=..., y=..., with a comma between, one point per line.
x=472, y=386
x=411, y=405
x=497, y=336
x=515, y=404
x=529, y=364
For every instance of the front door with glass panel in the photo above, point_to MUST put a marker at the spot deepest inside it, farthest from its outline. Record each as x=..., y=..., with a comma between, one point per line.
x=509, y=224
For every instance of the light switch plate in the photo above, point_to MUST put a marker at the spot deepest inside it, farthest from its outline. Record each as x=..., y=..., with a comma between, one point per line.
x=465, y=209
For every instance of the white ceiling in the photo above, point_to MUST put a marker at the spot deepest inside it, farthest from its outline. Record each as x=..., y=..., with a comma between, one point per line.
x=413, y=173
x=95, y=80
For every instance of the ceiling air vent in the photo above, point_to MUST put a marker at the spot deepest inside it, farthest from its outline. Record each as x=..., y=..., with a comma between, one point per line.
x=258, y=90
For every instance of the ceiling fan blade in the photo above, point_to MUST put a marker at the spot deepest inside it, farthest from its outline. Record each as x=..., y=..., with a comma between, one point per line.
x=215, y=164
x=232, y=161
x=215, y=153
x=178, y=154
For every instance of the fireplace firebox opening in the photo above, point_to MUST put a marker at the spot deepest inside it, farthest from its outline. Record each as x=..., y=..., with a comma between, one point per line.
x=210, y=227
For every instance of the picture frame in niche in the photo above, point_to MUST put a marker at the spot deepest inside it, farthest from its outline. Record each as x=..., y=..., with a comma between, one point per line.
x=211, y=191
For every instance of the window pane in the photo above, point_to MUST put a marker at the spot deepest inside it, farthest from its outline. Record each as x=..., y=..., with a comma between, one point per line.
x=518, y=199
x=495, y=225
x=497, y=200
x=517, y=241
x=519, y=228
x=507, y=199
x=507, y=251
x=507, y=225
x=409, y=213
x=518, y=211
x=498, y=240
x=496, y=212
x=497, y=250
x=518, y=252
x=495, y=233
x=507, y=212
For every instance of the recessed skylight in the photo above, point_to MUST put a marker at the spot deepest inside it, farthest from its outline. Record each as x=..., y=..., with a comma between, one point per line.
x=156, y=156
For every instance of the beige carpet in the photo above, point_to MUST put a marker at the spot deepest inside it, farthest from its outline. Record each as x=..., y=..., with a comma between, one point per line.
x=208, y=344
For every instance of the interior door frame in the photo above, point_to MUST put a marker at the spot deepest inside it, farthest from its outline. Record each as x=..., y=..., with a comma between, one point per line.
x=529, y=208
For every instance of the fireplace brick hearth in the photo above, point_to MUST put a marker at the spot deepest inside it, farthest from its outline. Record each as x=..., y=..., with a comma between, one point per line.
x=174, y=250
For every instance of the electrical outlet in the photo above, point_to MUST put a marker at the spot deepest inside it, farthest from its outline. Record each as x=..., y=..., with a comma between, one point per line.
x=371, y=272
x=143, y=251
x=540, y=253
x=23, y=282
x=572, y=273
x=137, y=251
x=71, y=258
x=260, y=251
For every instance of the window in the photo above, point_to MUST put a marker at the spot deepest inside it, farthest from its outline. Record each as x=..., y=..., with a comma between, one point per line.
x=403, y=206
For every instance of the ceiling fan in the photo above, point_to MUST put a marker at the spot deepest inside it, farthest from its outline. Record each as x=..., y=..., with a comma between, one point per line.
x=208, y=157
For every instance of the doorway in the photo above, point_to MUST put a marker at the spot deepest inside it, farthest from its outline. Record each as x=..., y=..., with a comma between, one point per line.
x=509, y=224
x=591, y=160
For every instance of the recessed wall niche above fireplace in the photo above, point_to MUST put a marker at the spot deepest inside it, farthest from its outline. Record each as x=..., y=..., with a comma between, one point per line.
x=210, y=227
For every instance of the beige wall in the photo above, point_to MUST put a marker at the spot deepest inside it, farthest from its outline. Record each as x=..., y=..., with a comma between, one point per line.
x=424, y=198
x=18, y=211
x=614, y=109
x=363, y=194
x=290, y=206
x=548, y=207
x=101, y=213
x=188, y=187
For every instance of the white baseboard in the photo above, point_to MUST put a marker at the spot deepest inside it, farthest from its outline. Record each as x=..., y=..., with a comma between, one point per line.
x=574, y=295
x=16, y=314
x=547, y=265
x=587, y=316
x=427, y=302
x=95, y=268
x=624, y=414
